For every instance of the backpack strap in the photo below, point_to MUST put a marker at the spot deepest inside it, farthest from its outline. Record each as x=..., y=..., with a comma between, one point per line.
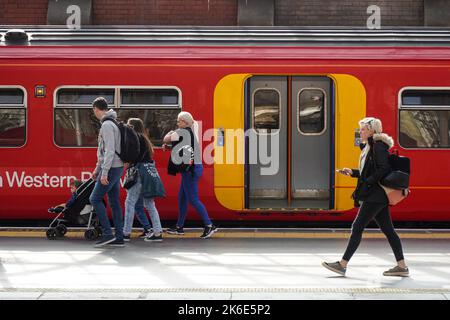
x=110, y=119
x=117, y=125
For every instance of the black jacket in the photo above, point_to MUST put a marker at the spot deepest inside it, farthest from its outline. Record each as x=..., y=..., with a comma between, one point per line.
x=172, y=168
x=144, y=155
x=376, y=168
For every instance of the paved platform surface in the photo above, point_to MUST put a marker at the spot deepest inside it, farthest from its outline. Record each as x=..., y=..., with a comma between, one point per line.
x=219, y=268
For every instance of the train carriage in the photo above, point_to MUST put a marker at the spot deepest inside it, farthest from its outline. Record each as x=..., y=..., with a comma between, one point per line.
x=278, y=109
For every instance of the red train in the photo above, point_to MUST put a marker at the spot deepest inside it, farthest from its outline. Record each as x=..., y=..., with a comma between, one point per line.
x=302, y=90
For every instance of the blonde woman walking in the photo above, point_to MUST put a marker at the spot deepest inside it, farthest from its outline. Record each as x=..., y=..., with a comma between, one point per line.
x=370, y=197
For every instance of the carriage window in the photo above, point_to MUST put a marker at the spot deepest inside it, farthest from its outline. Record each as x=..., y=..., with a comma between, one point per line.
x=425, y=119
x=84, y=97
x=150, y=97
x=158, y=109
x=311, y=111
x=75, y=122
x=426, y=98
x=12, y=117
x=266, y=110
x=77, y=126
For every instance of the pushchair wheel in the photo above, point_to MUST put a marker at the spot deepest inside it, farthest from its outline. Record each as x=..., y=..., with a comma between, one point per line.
x=51, y=234
x=61, y=230
x=91, y=234
x=99, y=231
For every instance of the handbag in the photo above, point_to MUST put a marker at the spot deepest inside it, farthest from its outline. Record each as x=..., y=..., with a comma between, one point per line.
x=396, y=178
x=395, y=196
x=131, y=177
x=152, y=184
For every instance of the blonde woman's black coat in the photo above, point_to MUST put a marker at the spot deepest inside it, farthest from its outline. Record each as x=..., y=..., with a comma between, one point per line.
x=376, y=168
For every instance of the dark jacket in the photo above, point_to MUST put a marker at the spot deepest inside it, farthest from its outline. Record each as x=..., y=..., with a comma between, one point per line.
x=172, y=168
x=144, y=155
x=376, y=168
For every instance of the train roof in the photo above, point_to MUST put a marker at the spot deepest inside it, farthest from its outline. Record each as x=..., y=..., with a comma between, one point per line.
x=223, y=36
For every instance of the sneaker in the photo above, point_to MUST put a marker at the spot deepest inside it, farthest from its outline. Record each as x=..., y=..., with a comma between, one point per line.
x=153, y=238
x=145, y=234
x=175, y=230
x=126, y=238
x=208, y=232
x=104, y=241
x=116, y=243
x=335, y=267
x=397, y=272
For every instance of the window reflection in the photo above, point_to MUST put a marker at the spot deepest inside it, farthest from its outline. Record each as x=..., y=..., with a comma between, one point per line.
x=12, y=117
x=311, y=111
x=158, y=122
x=424, y=128
x=266, y=110
x=76, y=125
x=424, y=118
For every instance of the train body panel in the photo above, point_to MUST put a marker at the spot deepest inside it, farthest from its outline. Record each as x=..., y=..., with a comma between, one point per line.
x=35, y=176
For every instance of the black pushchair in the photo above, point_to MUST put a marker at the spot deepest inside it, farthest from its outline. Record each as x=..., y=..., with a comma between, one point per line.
x=81, y=213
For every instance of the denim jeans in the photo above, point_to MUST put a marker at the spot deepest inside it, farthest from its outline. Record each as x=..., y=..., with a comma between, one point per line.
x=133, y=196
x=189, y=194
x=112, y=190
x=141, y=215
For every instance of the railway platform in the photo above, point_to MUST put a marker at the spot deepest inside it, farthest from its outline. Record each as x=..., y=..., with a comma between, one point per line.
x=235, y=264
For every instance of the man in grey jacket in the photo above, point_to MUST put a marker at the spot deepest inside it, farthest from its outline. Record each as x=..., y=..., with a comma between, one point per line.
x=107, y=173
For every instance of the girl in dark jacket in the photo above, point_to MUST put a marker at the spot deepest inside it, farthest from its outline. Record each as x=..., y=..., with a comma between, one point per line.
x=134, y=194
x=370, y=197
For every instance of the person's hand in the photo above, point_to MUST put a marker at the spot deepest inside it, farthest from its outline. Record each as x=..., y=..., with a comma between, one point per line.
x=126, y=165
x=164, y=147
x=104, y=181
x=94, y=175
x=345, y=171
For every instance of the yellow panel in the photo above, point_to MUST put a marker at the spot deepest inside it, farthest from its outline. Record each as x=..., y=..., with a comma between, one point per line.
x=350, y=106
x=229, y=116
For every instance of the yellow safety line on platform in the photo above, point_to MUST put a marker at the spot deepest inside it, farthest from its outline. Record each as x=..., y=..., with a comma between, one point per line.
x=256, y=235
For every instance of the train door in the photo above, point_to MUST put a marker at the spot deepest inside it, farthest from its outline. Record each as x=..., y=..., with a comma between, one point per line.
x=267, y=142
x=288, y=149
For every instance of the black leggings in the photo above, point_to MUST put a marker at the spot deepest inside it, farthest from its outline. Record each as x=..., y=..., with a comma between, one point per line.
x=368, y=212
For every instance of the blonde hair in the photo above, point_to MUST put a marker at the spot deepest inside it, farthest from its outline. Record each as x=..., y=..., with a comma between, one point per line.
x=189, y=119
x=372, y=124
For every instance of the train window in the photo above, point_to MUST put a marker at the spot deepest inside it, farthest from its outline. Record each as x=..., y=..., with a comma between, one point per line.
x=424, y=128
x=75, y=123
x=424, y=119
x=12, y=117
x=83, y=97
x=158, y=108
x=149, y=97
x=266, y=110
x=11, y=96
x=426, y=98
x=311, y=111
